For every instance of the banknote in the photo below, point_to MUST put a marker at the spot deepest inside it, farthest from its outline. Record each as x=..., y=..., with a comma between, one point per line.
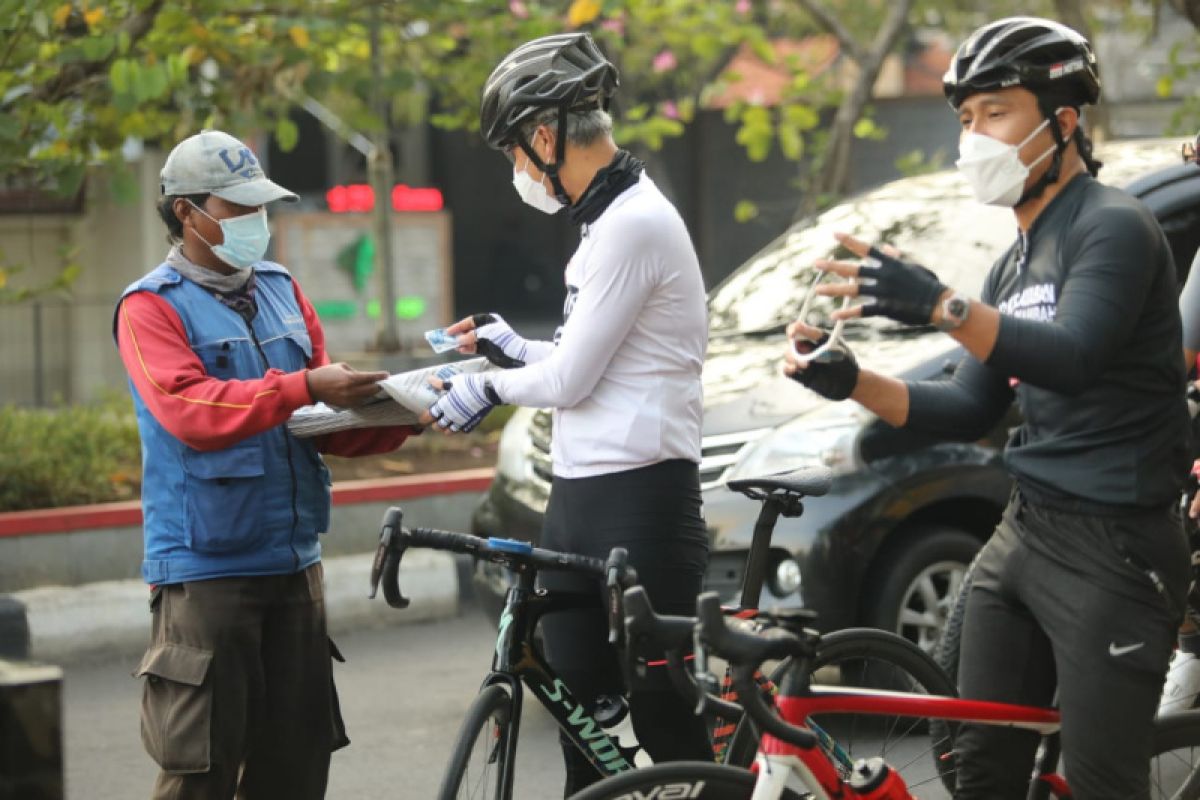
x=440, y=341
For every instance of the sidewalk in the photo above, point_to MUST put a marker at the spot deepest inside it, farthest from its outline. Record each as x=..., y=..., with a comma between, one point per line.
x=112, y=618
x=89, y=604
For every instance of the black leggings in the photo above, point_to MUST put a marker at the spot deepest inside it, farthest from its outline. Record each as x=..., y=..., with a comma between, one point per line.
x=653, y=512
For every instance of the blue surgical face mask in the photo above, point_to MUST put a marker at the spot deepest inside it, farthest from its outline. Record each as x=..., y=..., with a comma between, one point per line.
x=245, y=238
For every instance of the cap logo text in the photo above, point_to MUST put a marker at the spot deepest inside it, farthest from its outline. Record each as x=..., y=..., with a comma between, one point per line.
x=246, y=165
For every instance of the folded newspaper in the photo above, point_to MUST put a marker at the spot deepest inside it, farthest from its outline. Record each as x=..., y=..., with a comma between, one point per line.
x=401, y=400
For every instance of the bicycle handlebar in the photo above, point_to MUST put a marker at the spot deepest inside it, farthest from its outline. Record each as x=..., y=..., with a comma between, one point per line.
x=394, y=540
x=650, y=634
x=746, y=652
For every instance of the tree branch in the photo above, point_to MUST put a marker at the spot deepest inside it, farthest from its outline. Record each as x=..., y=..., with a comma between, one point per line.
x=72, y=76
x=829, y=22
x=12, y=42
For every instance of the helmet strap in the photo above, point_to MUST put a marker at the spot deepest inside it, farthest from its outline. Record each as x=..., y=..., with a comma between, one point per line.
x=560, y=154
x=1055, y=169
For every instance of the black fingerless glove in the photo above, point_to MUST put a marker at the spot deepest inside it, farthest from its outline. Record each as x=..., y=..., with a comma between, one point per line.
x=833, y=375
x=902, y=291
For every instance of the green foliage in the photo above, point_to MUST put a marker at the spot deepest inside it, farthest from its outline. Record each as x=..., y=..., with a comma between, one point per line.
x=10, y=293
x=1183, y=68
x=69, y=455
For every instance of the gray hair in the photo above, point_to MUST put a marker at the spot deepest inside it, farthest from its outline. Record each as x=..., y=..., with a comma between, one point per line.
x=582, y=129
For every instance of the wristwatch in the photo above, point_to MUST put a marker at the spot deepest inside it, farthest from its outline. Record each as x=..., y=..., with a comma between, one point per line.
x=955, y=310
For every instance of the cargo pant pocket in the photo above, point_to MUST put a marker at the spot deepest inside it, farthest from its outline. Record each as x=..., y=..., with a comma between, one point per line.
x=177, y=707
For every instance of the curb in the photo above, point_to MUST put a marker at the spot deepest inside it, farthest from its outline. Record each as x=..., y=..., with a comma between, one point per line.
x=112, y=618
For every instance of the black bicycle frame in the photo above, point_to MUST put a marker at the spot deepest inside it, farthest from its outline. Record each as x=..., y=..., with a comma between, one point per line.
x=516, y=660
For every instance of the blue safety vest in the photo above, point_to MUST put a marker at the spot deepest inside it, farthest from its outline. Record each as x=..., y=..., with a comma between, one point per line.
x=254, y=508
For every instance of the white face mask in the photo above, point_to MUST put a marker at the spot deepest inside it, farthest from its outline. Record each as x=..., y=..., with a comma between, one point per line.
x=533, y=192
x=245, y=238
x=994, y=169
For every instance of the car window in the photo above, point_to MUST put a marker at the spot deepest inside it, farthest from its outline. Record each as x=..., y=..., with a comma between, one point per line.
x=932, y=219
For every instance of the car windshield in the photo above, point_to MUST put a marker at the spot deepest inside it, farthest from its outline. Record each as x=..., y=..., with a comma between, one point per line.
x=933, y=221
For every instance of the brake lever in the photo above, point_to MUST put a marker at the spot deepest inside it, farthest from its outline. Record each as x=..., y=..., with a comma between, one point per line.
x=705, y=679
x=385, y=567
x=615, y=569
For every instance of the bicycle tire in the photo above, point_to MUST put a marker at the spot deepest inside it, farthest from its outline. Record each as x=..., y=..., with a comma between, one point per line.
x=894, y=658
x=1175, y=766
x=946, y=654
x=691, y=779
x=492, y=705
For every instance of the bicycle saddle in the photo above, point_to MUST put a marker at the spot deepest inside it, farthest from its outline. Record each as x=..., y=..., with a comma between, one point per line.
x=810, y=481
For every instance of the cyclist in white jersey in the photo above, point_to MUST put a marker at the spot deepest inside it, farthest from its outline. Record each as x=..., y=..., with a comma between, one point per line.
x=622, y=374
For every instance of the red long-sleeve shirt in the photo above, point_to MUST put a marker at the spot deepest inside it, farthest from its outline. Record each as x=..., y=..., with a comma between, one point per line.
x=210, y=414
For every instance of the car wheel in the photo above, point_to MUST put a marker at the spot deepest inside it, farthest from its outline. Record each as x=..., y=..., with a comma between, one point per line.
x=917, y=582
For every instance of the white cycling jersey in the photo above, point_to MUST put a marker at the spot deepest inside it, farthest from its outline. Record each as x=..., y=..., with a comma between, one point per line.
x=624, y=378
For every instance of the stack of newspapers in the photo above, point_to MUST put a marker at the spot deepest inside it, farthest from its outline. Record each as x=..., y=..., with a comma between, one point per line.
x=401, y=400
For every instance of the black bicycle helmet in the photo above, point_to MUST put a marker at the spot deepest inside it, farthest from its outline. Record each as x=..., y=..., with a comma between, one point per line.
x=1042, y=55
x=566, y=72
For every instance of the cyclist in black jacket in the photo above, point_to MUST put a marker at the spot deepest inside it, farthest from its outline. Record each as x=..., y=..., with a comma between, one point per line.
x=1080, y=589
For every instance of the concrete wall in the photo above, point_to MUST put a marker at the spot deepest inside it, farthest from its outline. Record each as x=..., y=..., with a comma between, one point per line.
x=115, y=242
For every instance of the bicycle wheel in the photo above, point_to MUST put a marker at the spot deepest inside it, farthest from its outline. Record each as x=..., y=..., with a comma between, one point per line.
x=1175, y=766
x=691, y=779
x=475, y=771
x=872, y=659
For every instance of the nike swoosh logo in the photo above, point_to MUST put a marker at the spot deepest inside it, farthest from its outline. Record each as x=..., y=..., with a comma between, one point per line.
x=1113, y=650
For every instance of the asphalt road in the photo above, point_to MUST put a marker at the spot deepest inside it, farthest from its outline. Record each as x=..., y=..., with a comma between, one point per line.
x=403, y=691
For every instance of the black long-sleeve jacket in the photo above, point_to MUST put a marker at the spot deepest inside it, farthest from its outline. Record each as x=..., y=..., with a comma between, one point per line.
x=1090, y=342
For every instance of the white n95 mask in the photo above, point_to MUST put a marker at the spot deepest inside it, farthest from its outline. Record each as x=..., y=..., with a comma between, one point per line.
x=994, y=169
x=534, y=192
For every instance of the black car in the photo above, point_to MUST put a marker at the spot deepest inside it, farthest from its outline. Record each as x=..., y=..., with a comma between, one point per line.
x=889, y=544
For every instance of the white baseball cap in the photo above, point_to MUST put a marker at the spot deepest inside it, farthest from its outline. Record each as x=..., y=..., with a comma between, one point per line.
x=213, y=162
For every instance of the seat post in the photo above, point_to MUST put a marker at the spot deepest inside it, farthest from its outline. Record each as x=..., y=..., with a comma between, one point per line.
x=760, y=548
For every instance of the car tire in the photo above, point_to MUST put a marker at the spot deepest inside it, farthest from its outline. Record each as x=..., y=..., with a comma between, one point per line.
x=916, y=582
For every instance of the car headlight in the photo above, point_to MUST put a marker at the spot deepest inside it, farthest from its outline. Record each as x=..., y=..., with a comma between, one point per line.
x=785, y=579
x=512, y=458
x=823, y=440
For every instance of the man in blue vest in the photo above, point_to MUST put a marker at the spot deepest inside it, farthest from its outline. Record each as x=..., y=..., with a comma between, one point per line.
x=221, y=347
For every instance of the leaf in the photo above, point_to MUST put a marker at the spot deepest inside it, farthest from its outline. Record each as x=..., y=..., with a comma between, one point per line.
x=791, y=142
x=582, y=12
x=803, y=117
x=867, y=129
x=745, y=210
x=10, y=127
x=98, y=48
x=177, y=68
x=637, y=112
x=299, y=36
x=69, y=179
x=1164, y=86
x=119, y=76
x=286, y=134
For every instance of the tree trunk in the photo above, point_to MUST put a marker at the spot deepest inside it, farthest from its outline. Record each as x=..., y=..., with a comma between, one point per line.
x=834, y=175
x=1189, y=9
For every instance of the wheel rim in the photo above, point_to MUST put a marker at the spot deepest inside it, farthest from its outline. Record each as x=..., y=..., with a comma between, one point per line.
x=927, y=601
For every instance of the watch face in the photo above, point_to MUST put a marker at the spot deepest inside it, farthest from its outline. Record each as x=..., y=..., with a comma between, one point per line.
x=957, y=307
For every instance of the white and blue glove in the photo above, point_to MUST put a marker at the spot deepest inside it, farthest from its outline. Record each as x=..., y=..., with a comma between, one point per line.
x=468, y=399
x=496, y=341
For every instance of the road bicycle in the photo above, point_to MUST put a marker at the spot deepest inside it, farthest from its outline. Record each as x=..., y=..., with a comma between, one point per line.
x=803, y=751
x=483, y=760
